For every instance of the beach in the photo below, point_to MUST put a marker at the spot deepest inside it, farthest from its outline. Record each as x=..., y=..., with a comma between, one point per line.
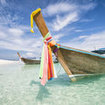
x=3, y=62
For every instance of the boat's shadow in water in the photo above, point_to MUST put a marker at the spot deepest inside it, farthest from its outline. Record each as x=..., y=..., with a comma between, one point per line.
x=1, y=74
x=88, y=79
x=62, y=80
x=43, y=93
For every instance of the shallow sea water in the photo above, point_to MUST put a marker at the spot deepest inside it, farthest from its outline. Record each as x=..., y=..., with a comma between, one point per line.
x=20, y=85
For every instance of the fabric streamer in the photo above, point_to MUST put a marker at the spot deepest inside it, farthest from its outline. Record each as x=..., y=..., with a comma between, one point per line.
x=32, y=15
x=47, y=71
x=45, y=65
x=41, y=67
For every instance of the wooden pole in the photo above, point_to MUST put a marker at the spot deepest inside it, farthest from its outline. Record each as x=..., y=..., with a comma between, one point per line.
x=19, y=55
x=39, y=20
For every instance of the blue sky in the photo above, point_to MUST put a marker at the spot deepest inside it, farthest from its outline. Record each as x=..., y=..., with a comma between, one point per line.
x=75, y=23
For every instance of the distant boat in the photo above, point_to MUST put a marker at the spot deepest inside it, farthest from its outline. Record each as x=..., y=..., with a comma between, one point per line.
x=28, y=61
x=100, y=51
x=31, y=61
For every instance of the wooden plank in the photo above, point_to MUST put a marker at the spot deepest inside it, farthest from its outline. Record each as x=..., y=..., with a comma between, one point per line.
x=64, y=65
x=39, y=20
x=19, y=55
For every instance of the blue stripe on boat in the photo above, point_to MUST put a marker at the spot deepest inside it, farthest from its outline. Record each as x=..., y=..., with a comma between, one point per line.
x=82, y=52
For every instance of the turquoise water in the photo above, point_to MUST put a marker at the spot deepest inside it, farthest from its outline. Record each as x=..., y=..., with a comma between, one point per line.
x=20, y=85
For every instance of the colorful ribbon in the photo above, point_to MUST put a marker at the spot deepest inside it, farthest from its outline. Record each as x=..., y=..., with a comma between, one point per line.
x=32, y=15
x=47, y=68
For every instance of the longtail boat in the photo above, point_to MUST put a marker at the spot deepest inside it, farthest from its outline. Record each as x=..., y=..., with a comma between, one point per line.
x=31, y=61
x=28, y=61
x=74, y=61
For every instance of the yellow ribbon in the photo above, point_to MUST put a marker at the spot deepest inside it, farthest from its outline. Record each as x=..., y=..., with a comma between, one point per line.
x=32, y=15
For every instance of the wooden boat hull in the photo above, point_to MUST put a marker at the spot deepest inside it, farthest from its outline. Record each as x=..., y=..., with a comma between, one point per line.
x=82, y=62
x=33, y=61
x=30, y=61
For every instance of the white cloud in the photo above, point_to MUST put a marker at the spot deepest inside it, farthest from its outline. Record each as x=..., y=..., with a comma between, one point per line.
x=17, y=39
x=8, y=15
x=77, y=30
x=82, y=37
x=58, y=8
x=16, y=32
x=89, y=42
x=3, y=2
x=86, y=20
x=24, y=27
x=57, y=37
x=30, y=54
x=87, y=7
x=66, y=13
x=8, y=19
x=2, y=35
x=61, y=22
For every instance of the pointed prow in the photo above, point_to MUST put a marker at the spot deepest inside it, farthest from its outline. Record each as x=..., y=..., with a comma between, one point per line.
x=19, y=55
x=39, y=20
